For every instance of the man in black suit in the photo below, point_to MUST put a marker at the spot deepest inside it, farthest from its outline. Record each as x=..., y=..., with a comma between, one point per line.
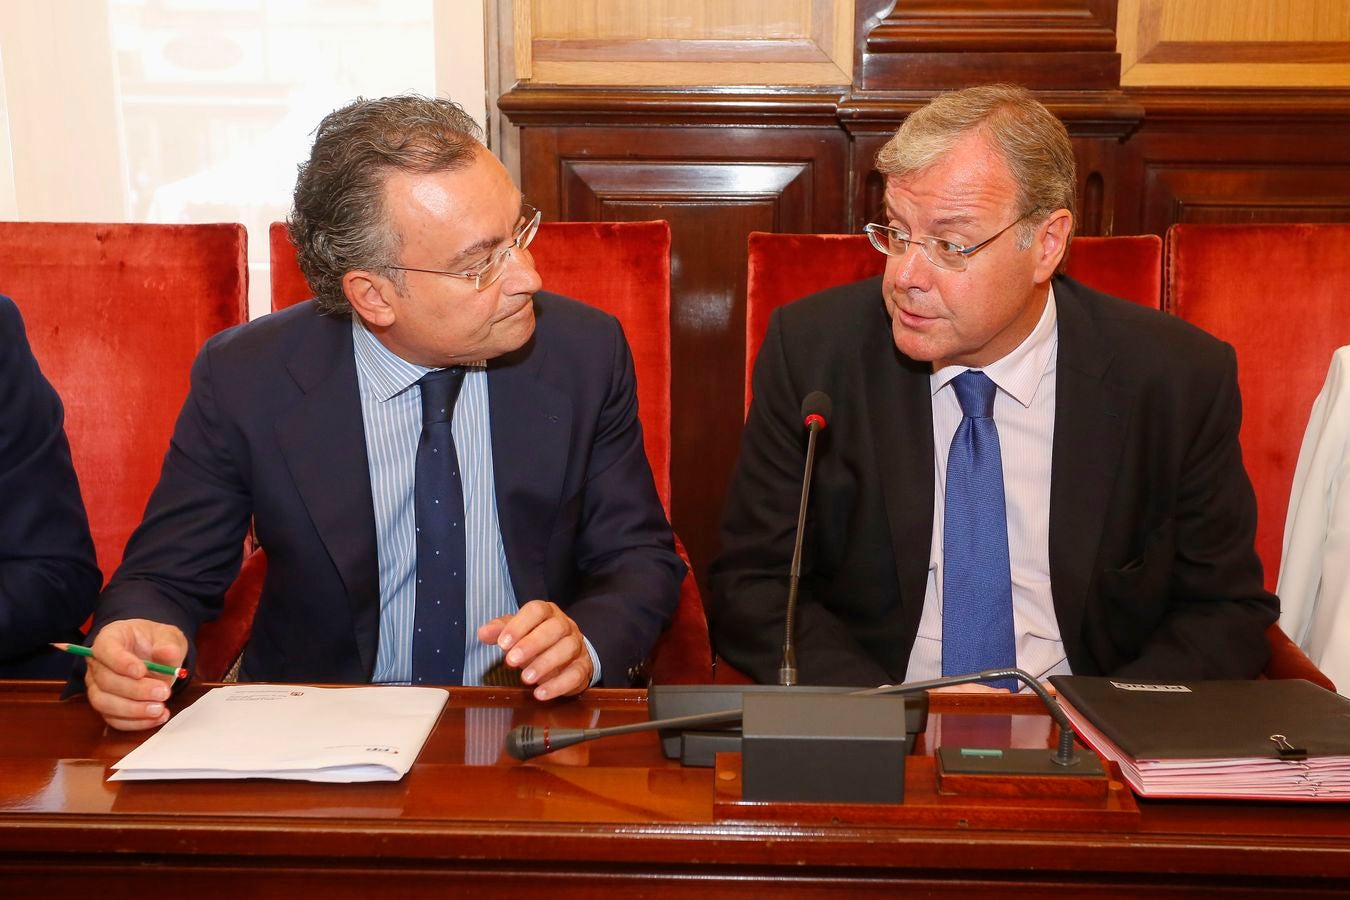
x=310, y=422
x=1120, y=539
x=48, y=575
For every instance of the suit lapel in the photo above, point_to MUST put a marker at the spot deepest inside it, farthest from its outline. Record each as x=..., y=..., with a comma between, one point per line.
x=323, y=443
x=901, y=415
x=1091, y=416
x=531, y=429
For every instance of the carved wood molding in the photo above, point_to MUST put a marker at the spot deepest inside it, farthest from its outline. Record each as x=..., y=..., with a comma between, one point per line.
x=1086, y=113
x=1227, y=105
x=934, y=45
x=981, y=27
x=570, y=106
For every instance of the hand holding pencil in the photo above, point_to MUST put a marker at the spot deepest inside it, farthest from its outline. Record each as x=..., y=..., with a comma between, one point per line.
x=77, y=650
x=121, y=685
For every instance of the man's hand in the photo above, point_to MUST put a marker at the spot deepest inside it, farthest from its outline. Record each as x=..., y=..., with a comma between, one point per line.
x=128, y=695
x=546, y=645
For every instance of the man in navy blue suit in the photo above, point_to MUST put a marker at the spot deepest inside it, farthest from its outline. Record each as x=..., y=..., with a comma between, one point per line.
x=310, y=423
x=48, y=576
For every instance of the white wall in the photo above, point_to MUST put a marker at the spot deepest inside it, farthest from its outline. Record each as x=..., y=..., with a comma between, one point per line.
x=199, y=110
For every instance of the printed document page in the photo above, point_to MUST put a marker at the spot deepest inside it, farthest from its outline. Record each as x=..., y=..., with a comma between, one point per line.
x=293, y=732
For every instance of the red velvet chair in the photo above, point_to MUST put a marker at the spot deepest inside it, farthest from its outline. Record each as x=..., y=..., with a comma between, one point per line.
x=624, y=269
x=1280, y=294
x=784, y=267
x=116, y=314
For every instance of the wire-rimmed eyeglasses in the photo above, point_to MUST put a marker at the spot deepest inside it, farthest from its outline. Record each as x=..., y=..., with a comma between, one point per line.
x=942, y=253
x=491, y=270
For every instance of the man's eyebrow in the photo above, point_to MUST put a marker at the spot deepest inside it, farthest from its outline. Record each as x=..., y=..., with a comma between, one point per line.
x=476, y=249
x=947, y=221
x=486, y=245
x=953, y=219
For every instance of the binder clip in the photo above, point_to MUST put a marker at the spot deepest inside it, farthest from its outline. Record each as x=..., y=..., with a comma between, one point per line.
x=1287, y=750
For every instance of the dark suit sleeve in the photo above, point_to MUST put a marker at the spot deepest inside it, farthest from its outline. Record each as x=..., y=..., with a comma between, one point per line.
x=48, y=574
x=624, y=552
x=1218, y=610
x=749, y=581
x=188, y=549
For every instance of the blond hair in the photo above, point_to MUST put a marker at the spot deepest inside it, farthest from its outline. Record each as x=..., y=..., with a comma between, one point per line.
x=1032, y=142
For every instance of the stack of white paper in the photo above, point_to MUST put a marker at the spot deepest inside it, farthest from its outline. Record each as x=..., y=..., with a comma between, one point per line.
x=292, y=732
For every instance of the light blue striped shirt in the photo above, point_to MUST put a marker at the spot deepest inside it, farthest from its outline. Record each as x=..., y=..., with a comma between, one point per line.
x=391, y=410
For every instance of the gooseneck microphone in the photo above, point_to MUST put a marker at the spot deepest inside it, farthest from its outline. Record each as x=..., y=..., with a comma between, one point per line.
x=1064, y=755
x=816, y=411
x=528, y=741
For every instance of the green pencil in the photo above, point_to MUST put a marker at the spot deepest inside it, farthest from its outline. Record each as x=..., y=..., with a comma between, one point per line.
x=162, y=669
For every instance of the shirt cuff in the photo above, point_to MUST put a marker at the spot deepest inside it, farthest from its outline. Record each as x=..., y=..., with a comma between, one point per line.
x=595, y=662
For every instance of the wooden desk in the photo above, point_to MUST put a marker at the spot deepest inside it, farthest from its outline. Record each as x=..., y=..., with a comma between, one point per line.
x=613, y=814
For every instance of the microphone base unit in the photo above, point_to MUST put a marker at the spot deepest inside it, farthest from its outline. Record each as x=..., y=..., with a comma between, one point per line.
x=699, y=747
x=1003, y=761
x=806, y=747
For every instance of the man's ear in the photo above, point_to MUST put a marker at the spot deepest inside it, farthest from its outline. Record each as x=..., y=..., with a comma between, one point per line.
x=370, y=296
x=1052, y=243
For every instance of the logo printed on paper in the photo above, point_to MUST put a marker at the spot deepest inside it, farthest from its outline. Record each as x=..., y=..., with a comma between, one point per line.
x=1154, y=688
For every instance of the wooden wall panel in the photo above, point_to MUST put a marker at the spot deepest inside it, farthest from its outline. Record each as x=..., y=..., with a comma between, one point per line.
x=714, y=185
x=1236, y=157
x=1292, y=43
x=685, y=42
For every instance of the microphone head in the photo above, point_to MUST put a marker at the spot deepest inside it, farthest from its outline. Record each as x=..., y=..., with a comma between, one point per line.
x=521, y=740
x=817, y=409
x=528, y=741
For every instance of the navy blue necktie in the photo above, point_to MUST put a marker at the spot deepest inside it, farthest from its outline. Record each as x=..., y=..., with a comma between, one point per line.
x=977, y=614
x=438, y=497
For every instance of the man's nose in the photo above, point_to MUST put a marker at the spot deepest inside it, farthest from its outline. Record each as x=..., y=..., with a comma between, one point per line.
x=521, y=277
x=910, y=269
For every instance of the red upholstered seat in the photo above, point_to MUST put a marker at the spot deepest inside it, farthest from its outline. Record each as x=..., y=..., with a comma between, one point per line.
x=116, y=314
x=1280, y=294
x=785, y=267
x=288, y=282
x=624, y=269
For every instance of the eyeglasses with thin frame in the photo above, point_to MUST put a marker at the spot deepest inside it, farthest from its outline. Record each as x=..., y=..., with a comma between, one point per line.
x=490, y=271
x=942, y=253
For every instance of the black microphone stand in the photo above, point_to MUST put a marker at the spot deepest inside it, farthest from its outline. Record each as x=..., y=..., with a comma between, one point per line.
x=787, y=669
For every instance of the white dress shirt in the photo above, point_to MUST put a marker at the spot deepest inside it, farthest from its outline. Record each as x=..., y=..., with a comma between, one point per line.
x=1314, y=586
x=1024, y=413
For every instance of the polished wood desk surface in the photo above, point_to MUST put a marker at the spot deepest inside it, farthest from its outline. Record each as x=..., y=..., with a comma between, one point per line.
x=589, y=815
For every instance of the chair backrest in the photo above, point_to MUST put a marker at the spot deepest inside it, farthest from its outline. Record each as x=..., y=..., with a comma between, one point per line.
x=1280, y=294
x=115, y=314
x=784, y=267
x=620, y=267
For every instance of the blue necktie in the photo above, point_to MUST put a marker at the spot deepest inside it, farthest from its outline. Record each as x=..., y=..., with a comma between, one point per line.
x=977, y=615
x=438, y=497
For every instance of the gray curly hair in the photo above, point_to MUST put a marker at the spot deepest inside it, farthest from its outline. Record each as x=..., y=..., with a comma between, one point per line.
x=338, y=221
